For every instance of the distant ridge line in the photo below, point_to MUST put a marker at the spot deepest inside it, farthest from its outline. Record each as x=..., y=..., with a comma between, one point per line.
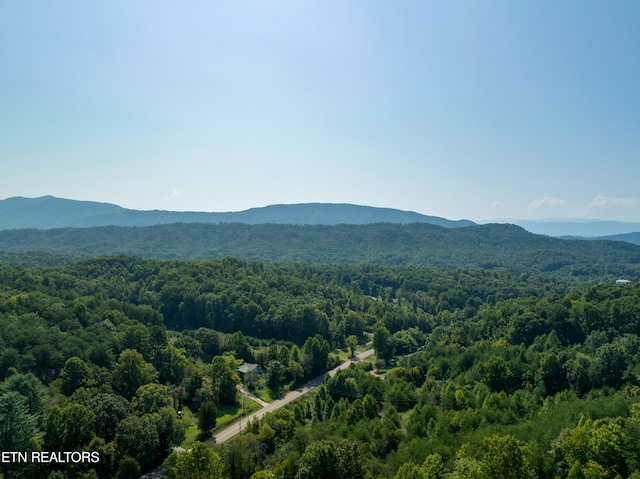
x=49, y=212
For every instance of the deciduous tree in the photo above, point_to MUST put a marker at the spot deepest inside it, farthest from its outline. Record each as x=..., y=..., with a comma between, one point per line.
x=150, y=398
x=68, y=428
x=207, y=418
x=225, y=379
x=382, y=341
x=75, y=374
x=131, y=372
x=199, y=463
x=352, y=344
x=506, y=458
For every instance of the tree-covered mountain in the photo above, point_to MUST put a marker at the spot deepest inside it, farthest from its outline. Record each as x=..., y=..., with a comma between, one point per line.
x=487, y=246
x=51, y=212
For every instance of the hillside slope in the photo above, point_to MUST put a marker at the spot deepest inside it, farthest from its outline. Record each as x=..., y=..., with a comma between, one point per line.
x=487, y=246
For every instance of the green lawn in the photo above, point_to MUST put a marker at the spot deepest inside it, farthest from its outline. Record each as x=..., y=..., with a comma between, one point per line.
x=229, y=414
x=343, y=354
x=192, y=427
x=226, y=415
x=270, y=394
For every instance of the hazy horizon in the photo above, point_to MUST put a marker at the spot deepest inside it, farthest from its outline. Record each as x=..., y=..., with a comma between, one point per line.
x=478, y=221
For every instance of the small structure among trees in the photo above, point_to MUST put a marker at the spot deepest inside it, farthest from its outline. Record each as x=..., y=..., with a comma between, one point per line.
x=248, y=368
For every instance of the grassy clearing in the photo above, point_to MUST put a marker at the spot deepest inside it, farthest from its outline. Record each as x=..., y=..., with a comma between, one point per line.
x=343, y=354
x=270, y=394
x=229, y=414
x=226, y=415
x=192, y=427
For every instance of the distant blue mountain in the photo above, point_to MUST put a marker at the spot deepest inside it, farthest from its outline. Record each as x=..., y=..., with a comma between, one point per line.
x=49, y=212
x=591, y=229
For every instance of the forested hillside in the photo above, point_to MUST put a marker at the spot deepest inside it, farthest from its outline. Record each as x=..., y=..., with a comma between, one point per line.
x=489, y=246
x=477, y=373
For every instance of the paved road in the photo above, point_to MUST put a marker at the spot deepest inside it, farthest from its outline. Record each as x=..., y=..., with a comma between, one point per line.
x=234, y=429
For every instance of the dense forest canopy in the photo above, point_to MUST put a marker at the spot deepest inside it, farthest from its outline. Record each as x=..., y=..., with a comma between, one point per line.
x=494, y=246
x=477, y=373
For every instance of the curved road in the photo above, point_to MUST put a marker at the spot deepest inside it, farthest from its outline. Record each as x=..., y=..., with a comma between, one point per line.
x=236, y=428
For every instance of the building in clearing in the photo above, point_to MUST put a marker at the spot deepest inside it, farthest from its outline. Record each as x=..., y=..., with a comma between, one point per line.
x=622, y=281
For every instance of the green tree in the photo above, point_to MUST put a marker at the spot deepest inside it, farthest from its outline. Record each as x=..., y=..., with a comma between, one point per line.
x=608, y=443
x=275, y=373
x=212, y=343
x=68, y=428
x=17, y=426
x=240, y=456
x=240, y=346
x=552, y=373
x=297, y=372
x=150, y=398
x=506, y=458
x=137, y=337
x=352, y=344
x=31, y=388
x=157, y=338
x=75, y=374
x=263, y=475
x=316, y=351
x=579, y=373
x=327, y=459
x=109, y=410
x=467, y=468
x=171, y=430
x=382, y=342
x=410, y=470
x=420, y=418
x=199, y=463
x=131, y=372
x=128, y=468
x=433, y=467
x=207, y=418
x=138, y=438
x=496, y=373
x=107, y=466
x=171, y=364
x=225, y=379
x=610, y=364
x=370, y=406
x=595, y=445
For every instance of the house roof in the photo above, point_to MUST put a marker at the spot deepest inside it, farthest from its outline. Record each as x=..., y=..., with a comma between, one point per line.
x=245, y=368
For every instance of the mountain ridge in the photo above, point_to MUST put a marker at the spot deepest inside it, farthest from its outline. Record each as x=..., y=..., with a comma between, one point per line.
x=49, y=212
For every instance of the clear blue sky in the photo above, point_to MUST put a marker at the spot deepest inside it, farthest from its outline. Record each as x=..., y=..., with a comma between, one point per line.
x=461, y=109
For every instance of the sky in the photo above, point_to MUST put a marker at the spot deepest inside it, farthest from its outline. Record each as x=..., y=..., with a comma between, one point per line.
x=461, y=109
